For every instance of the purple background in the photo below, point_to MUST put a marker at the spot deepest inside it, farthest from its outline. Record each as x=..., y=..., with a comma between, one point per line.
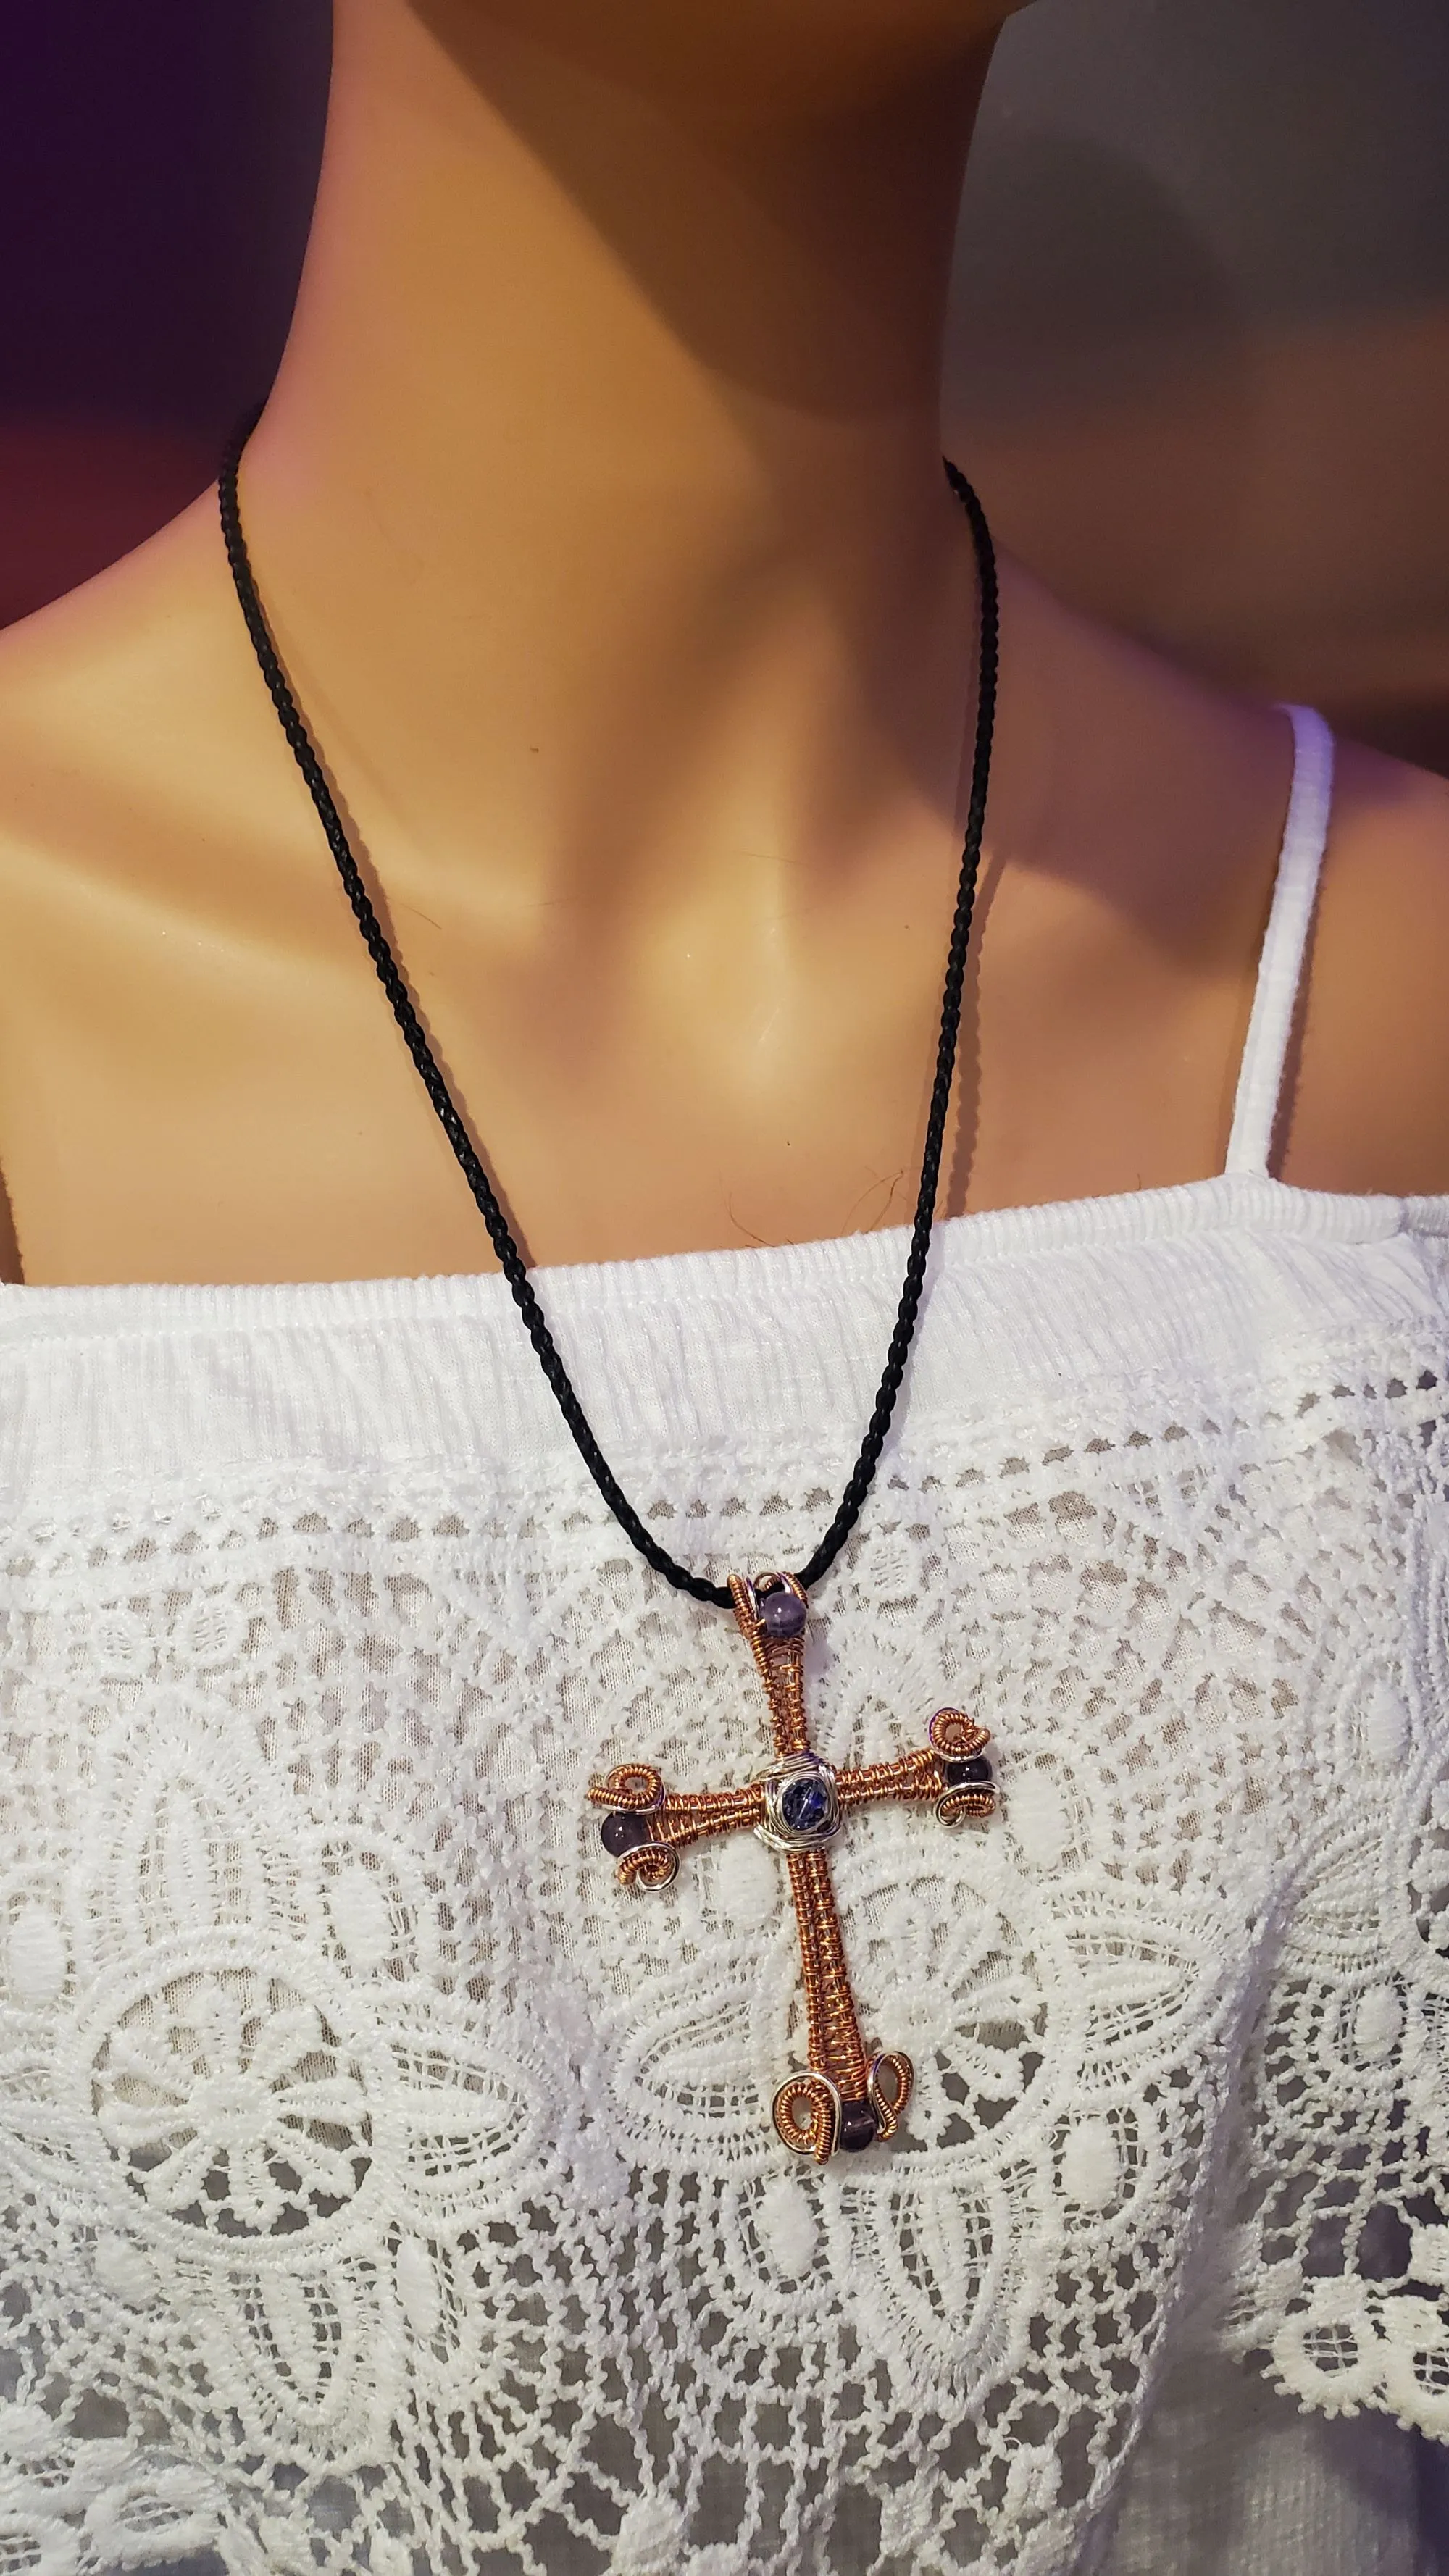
x=157, y=162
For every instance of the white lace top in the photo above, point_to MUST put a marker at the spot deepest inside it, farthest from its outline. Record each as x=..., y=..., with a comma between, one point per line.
x=386, y=2190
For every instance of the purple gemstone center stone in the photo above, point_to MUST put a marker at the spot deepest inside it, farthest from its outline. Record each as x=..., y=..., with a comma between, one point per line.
x=805, y=1806
x=782, y=1614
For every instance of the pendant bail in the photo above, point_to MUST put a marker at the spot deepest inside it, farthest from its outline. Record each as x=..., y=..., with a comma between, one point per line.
x=772, y=1609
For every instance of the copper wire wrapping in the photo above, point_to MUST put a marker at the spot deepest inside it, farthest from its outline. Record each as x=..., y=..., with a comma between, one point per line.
x=851, y=2095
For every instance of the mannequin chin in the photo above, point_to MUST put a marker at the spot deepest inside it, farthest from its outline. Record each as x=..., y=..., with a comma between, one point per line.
x=785, y=57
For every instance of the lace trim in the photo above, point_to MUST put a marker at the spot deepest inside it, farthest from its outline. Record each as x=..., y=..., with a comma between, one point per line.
x=384, y=2192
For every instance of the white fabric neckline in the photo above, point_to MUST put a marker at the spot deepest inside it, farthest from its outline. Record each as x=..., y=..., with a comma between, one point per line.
x=767, y=1275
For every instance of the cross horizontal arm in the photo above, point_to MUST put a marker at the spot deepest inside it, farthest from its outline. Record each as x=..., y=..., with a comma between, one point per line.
x=914, y=1775
x=670, y=1824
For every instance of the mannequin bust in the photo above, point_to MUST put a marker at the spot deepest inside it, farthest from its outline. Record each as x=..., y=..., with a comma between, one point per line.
x=599, y=516
x=392, y=2186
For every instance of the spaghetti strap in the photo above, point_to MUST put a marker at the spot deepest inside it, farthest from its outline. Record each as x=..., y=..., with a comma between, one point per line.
x=1280, y=968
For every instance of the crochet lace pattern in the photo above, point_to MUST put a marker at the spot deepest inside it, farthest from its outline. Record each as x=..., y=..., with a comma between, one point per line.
x=385, y=2190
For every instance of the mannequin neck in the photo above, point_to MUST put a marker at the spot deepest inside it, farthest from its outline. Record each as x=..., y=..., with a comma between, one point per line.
x=607, y=443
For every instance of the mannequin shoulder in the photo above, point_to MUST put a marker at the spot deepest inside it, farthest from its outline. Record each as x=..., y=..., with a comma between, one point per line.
x=141, y=769
x=1171, y=797
x=98, y=691
x=147, y=824
x=1370, y=1108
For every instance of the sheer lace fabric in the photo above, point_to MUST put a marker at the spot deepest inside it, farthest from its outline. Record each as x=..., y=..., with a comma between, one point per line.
x=386, y=2190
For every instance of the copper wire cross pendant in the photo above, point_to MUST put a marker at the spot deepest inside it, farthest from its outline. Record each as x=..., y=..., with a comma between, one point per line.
x=851, y=2095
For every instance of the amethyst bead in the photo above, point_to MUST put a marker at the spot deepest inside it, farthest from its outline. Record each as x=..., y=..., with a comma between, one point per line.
x=857, y=2127
x=960, y=1775
x=623, y=1832
x=782, y=1614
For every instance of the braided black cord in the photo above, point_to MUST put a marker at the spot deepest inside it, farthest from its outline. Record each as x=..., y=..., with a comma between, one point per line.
x=511, y=1261
x=862, y=1475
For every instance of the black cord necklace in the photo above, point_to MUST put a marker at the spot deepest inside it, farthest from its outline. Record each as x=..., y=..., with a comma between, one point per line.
x=851, y=2095
x=514, y=1267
